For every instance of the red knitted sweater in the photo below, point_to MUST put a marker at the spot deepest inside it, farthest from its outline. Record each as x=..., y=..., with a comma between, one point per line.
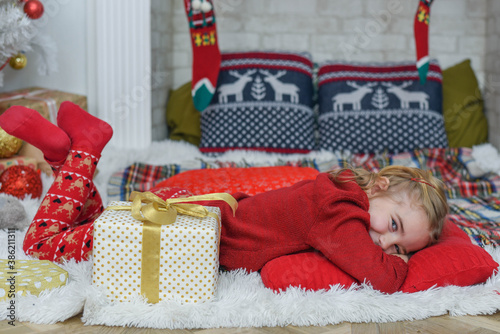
x=319, y=214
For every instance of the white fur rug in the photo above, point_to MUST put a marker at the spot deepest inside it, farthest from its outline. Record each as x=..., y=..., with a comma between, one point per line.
x=241, y=300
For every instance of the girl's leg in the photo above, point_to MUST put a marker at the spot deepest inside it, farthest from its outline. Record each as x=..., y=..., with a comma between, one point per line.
x=28, y=125
x=54, y=233
x=92, y=208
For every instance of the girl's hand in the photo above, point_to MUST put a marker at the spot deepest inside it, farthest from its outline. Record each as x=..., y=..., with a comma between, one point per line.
x=403, y=256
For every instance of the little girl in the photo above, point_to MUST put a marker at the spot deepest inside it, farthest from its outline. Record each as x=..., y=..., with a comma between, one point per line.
x=366, y=223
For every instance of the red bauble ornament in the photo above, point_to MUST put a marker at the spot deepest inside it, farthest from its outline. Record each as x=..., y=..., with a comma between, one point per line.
x=34, y=9
x=20, y=181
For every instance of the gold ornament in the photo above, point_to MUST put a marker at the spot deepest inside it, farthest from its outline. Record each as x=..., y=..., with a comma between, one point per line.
x=18, y=61
x=9, y=145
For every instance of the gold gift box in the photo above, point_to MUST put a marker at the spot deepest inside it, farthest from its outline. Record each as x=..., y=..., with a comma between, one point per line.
x=188, y=256
x=17, y=277
x=45, y=101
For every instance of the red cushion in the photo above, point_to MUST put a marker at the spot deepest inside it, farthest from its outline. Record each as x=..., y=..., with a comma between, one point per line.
x=454, y=260
x=250, y=180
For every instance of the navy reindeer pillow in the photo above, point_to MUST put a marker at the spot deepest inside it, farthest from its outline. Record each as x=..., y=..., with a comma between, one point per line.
x=379, y=107
x=263, y=101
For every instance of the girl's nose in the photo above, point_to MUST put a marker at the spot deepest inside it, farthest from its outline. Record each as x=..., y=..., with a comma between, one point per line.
x=385, y=241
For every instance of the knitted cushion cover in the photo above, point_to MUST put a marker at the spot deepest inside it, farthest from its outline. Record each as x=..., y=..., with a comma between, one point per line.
x=263, y=102
x=375, y=107
x=454, y=260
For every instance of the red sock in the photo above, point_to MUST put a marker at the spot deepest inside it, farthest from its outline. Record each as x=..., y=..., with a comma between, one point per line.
x=87, y=132
x=28, y=125
x=421, y=31
x=206, y=54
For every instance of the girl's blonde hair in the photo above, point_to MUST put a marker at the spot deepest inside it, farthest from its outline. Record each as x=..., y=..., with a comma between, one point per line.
x=419, y=184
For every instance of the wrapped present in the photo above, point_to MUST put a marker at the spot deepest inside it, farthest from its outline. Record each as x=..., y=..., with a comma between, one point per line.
x=45, y=101
x=145, y=248
x=17, y=160
x=18, y=277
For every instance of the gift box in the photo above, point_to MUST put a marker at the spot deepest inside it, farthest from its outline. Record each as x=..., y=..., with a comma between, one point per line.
x=177, y=261
x=45, y=101
x=17, y=161
x=18, y=277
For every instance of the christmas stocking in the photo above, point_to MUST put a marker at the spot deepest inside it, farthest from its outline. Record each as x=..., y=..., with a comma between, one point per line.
x=206, y=54
x=421, y=31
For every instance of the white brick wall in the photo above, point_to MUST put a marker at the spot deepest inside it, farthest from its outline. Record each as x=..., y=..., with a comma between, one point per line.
x=491, y=91
x=362, y=30
x=162, y=60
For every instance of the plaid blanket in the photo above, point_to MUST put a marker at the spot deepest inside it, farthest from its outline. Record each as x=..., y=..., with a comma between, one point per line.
x=479, y=217
x=472, y=194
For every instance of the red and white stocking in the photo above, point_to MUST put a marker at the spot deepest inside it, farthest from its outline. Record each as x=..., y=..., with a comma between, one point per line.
x=206, y=54
x=421, y=31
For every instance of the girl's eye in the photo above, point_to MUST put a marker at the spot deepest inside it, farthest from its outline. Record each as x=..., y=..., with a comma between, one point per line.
x=394, y=225
x=398, y=251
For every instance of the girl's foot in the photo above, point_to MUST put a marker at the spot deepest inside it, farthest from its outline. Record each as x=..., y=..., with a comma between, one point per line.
x=86, y=132
x=28, y=125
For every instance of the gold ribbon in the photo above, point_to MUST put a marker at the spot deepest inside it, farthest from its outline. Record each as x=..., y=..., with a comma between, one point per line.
x=155, y=212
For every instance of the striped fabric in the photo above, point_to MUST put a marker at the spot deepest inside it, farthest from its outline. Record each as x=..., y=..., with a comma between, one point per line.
x=473, y=197
x=339, y=70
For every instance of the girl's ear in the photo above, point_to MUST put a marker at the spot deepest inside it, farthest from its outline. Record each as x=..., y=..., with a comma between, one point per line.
x=381, y=185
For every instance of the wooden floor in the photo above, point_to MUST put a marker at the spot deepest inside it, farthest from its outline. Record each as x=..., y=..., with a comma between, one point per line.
x=438, y=325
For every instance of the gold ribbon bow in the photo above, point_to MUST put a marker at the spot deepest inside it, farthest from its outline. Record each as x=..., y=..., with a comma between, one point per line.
x=147, y=207
x=155, y=212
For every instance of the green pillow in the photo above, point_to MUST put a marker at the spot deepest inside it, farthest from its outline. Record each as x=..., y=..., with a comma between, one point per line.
x=183, y=120
x=464, y=119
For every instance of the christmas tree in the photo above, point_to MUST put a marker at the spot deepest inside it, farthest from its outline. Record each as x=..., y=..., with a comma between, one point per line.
x=19, y=33
x=380, y=100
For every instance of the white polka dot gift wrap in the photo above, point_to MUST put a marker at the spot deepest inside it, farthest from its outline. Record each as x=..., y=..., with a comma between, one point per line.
x=34, y=276
x=189, y=256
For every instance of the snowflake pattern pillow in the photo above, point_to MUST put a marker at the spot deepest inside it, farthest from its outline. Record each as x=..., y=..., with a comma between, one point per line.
x=263, y=101
x=376, y=107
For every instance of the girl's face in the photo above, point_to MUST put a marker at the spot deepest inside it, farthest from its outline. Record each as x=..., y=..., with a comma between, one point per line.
x=397, y=227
